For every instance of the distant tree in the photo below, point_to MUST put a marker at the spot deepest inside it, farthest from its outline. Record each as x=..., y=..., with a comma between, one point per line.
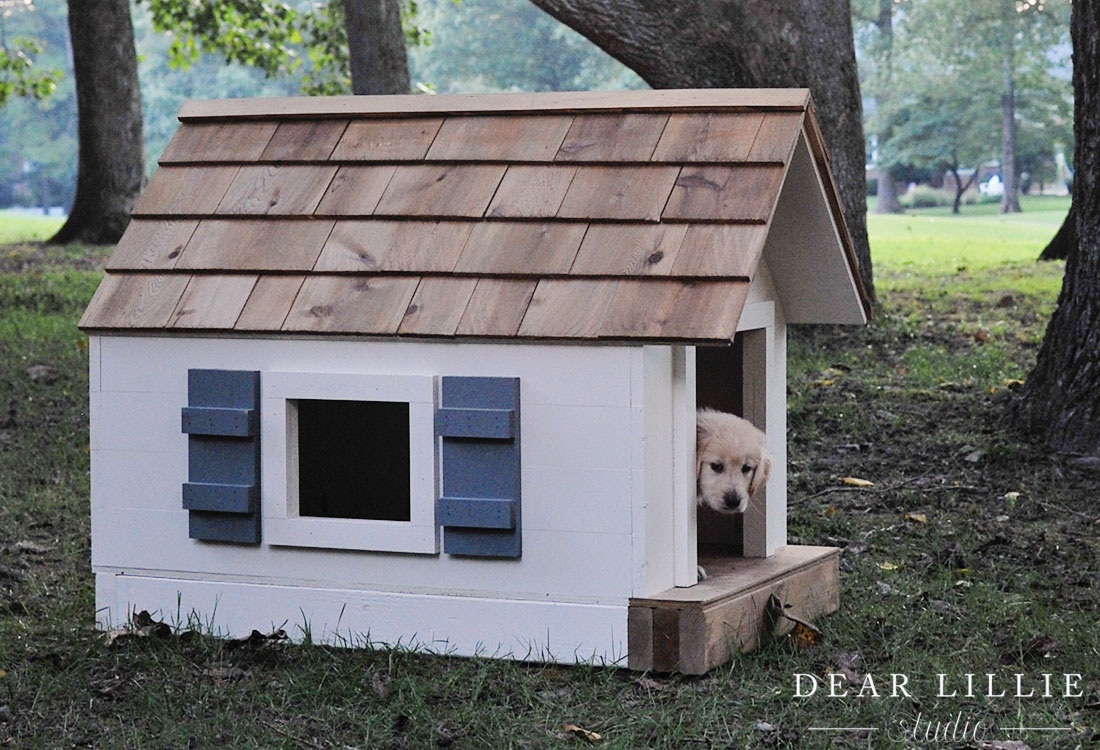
x=875, y=28
x=1060, y=401
x=942, y=126
x=279, y=39
x=110, y=170
x=720, y=43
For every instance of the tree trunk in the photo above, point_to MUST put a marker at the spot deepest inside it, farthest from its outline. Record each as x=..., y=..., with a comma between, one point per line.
x=376, y=47
x=746, y=43
x=886, y=197
x=1010, y=201
x=1065, y=241
x=110, y=170
x=1060, y=403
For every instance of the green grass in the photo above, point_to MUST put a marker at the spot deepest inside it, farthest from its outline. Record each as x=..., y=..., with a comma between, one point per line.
x=20, y=227
x=989, y=581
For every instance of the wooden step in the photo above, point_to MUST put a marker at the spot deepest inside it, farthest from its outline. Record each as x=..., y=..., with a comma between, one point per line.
x=696, y=628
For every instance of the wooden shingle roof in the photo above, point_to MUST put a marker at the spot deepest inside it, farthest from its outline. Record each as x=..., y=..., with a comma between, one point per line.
x=624, y=216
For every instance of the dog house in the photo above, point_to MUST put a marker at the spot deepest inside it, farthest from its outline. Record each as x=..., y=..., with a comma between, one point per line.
x=423, y=370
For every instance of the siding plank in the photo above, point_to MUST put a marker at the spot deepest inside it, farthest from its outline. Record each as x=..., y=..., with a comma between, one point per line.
x=218, y=141
x=382, y=245
x=382, y=140
x=255, y=245
x=276, y=190
x=185, y=190
x=437, y=306
x=619, y=137
x=134, y=300
x=309, y=140
x=520, y=248
x=496, y=307
x=355, y=191
x=618, y=193
x=440, y=190
x=725, y=193
x=629, y=249
x=269, y=303
x=151, y=245
x=720, y=136
x=516, y=138
x=531, y=192
x=351, y=304
x=212, y=301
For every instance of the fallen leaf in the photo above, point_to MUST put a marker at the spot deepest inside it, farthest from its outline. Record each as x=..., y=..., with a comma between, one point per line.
x=581, y=733
x=763, y=726
x=1004, y=745
x=804, y=635
x=1011, y=495
x=849, y=664
x=651, y=684
x=824, y=382
x=225, y=672
x=43, y=374
x=830, y=511
x=981, y=336
x=887, y=566
x=1012, y=381
x=31, y=548
x=857, y=482
x=916, y=517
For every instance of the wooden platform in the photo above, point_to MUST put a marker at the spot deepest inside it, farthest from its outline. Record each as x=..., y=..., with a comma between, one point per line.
x=694, y=629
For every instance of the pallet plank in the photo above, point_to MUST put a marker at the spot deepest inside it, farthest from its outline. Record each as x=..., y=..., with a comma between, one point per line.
x=384, y=140
x=719, y=136
x=351, y=304
x=184, y=190
x=612, y=137
x=212, y=301
x=384, y=245
x=437, y=306
x=521, y=248
x=496, y=307
x=151, y=244
x=629, y=249
x=531, y=191
x=269, y=303
x=307, y=140
x=355, y=190
x=270, y=190
x=255, y=245
x=514, y=137
x=725, y=193
x=440, y=190
x=618, y=193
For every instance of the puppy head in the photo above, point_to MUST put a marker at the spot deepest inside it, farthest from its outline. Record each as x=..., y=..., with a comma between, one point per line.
x=732, y=461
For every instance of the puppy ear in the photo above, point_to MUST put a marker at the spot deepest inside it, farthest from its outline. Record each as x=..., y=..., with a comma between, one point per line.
x=763, y=471
x=702, y=435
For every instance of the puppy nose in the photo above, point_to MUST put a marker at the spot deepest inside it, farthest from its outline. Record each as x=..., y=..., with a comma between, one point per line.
x=731, y=500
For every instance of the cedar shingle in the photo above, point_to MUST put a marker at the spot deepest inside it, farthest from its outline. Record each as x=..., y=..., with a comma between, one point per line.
x=134, y=300
x=218, y=141
x=742, y=193
x=304, y=140
x=185, y=190
x=383, y=245
x=212, y=301
x=355, y=191
x=151, y=244
x=269, y=303
x=637, y=193
x=496, y=307
x=272, y=190
x=383, y=140
x=531, y=192
x=351, y=304
x=440, y=190
x=718, y=136
x=437, y=306
x=505, y=138
x=498, y=247
x=729, y=250
x=629, y=249
x=255, y=245
x=619, y=137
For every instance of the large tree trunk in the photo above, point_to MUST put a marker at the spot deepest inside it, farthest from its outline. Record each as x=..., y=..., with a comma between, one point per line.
x=886, y=197
x=1065, y=241
x=110, y=168
x=1010, y=201
x=746, y=43
x=1060, y=403
x=376, y=47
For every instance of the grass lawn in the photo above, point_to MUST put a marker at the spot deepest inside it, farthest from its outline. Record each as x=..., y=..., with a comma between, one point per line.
x=21, y=227
x=972, y=552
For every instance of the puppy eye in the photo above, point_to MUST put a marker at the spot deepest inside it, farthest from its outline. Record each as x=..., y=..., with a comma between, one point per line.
x=746, y=469
x=717, y=467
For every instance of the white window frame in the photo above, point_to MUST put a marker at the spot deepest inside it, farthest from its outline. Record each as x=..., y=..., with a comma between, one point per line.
x=283, y=526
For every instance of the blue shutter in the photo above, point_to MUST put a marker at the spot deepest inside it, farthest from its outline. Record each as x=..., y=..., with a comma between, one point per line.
x=479, y=510
x=221, y=419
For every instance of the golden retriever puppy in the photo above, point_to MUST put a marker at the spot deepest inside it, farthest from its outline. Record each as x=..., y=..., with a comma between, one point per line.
x=731, y=462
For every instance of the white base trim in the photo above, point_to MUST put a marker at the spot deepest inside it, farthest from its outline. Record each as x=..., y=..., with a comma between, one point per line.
x=539, y=631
